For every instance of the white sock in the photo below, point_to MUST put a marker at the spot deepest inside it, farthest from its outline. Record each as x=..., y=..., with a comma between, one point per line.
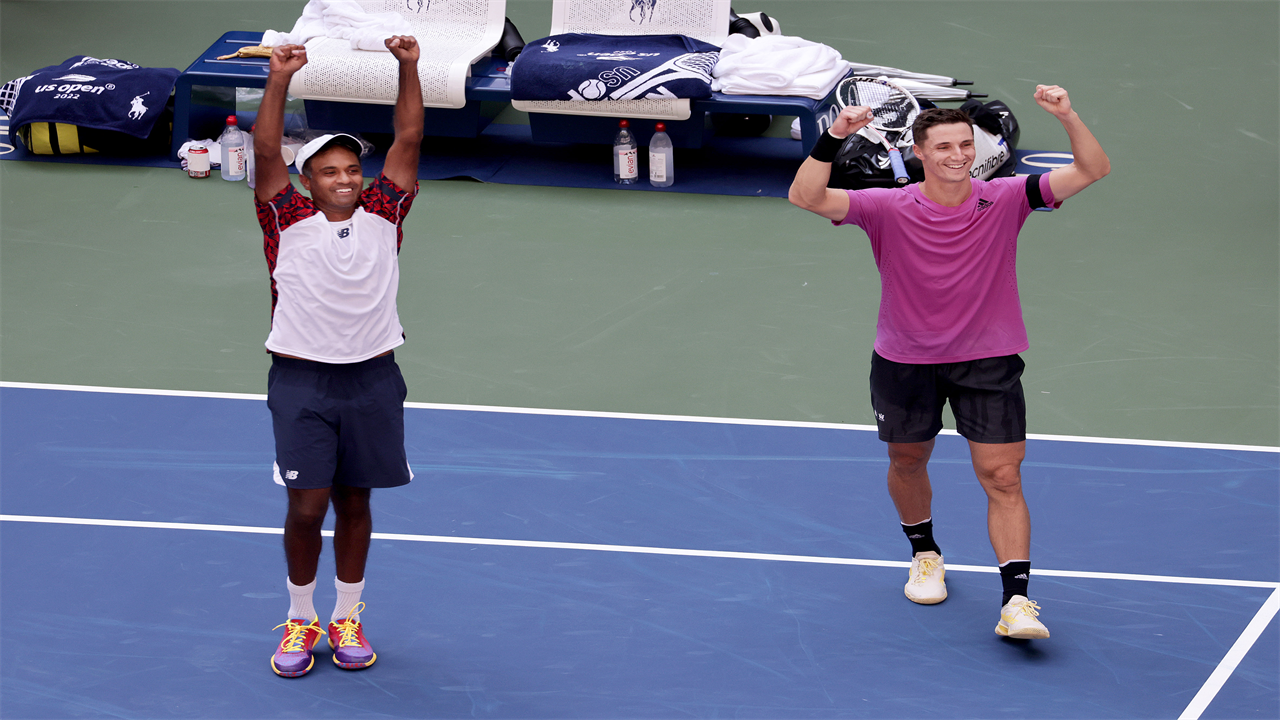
x=300, y=607
x=348, y=598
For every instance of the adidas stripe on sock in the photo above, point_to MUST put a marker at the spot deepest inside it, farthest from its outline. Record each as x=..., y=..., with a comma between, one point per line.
x=921, y=537
x=1014, y=575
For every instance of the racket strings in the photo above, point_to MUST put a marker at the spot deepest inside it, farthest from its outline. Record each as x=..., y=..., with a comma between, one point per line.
x=892, y=109
x=895, y=116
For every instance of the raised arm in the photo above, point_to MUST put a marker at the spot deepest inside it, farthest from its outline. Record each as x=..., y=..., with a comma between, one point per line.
x=809, y=190
x=1091, y=164
x=271, y=174
x=401, y=166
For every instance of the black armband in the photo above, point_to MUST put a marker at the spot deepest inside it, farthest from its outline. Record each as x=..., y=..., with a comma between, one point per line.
x=1034, y=197
x=827, y=147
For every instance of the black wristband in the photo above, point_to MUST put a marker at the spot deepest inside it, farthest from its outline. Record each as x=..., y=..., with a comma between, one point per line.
x=827, y=147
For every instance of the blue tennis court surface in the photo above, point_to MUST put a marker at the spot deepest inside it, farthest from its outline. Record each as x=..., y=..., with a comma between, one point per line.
x=560, y=566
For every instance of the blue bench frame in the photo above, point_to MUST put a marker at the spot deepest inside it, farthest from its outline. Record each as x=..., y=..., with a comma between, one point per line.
x=815, y=117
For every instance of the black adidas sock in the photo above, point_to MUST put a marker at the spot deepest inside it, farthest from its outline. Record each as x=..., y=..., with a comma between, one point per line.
x=1014, y=575
x=921, y=537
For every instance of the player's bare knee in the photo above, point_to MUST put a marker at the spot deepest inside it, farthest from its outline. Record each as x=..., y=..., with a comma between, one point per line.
x=352, y=513
x=908, y=459
x=351, y=502
x=909, y=468
x=1002, y=481
x=306, y=515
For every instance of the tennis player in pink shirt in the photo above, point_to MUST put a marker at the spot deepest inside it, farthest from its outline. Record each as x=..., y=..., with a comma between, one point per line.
x=950, y=325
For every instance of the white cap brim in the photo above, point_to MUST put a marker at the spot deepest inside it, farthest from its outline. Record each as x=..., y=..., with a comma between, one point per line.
x=343, y=140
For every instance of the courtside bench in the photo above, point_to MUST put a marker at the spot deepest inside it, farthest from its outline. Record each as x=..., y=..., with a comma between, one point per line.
x=204, y=96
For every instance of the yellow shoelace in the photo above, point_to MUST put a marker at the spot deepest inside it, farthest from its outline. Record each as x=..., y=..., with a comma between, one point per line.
x=1029, y=607
x=348, y=626
x=296, y=638
x=927, y=566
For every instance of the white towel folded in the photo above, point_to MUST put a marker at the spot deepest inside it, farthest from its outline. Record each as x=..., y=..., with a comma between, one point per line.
x=777, y=65
x=344, y=19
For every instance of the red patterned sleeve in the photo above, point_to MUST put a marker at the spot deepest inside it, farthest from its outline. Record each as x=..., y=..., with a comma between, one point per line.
x=389, y=202
x=286, y=208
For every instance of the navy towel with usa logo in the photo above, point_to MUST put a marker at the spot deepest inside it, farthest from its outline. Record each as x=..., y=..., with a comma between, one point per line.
x=579, y=66
x=93, y=93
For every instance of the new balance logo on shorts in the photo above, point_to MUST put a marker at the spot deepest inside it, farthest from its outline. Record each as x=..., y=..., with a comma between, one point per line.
x=291, y=475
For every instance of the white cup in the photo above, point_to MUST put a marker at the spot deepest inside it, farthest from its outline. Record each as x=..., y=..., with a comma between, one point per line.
x=289, y=151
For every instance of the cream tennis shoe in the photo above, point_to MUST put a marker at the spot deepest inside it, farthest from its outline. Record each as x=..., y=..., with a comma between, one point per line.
x=925, y=584
x=1019, y=618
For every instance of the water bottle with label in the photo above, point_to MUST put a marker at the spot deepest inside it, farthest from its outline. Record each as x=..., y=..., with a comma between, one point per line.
x=232, y=142
x=662, y=170
x=248, y=158
x=626, y=158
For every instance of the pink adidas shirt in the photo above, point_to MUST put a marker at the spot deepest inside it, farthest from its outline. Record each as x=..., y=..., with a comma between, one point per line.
x=948, y=278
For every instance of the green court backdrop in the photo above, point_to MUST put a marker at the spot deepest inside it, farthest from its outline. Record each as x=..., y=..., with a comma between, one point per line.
x=1151, y=299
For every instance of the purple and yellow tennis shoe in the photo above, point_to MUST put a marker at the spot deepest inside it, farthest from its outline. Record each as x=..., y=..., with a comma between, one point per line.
x=350, y=649
x=293, y=657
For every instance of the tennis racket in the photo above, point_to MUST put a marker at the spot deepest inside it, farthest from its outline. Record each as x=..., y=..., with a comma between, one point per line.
x=892, y=110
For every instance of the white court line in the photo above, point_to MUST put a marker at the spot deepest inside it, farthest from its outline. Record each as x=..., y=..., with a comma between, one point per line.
x=639, y=549
x=1202, y=699
x=1198, y=704
x=1238, y=650
x=638, y=416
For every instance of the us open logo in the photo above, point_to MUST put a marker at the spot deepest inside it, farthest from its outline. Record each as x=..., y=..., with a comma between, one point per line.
x=825, y=120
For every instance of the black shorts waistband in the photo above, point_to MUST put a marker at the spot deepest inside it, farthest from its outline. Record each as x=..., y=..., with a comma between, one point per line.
x=288, y=363
x=877, y=357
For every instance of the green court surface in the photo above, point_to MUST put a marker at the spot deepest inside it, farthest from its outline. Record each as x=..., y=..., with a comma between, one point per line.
x=1151, y=299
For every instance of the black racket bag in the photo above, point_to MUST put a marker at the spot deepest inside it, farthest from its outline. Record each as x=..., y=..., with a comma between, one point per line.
x=862, y=163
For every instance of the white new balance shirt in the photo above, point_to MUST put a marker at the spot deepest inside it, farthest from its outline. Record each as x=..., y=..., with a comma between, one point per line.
x=333, y=293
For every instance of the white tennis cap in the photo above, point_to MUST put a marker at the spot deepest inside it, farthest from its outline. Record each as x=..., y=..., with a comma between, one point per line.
x=324, y=142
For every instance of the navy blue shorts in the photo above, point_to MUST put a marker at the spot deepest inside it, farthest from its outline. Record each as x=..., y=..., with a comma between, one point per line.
x=338, y=424
x=985, y=395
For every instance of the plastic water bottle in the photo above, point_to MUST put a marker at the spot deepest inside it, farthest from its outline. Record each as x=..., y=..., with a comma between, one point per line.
x=248, y=158
x=232, y=142
x=626, y=159
x=662, y=169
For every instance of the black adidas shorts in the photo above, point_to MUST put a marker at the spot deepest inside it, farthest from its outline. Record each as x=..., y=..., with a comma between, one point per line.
x=338, y=424
x=985, y=395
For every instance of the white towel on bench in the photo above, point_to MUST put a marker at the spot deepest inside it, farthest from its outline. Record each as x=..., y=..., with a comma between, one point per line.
x=342, y=19
x=777, y=65
x=451, y=36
